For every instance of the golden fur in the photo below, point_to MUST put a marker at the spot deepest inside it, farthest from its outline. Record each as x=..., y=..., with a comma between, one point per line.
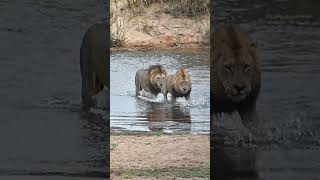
x=94, y=66
x=180, y=84
x=152, y=80
x=235, y=72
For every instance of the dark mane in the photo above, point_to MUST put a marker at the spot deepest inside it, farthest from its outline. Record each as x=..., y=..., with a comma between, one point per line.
x=234, y=42
x=182, y=73
x=158, y=67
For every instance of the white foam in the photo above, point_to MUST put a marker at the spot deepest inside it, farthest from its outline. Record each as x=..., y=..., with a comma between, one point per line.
x=101, y=99
x=145, y=95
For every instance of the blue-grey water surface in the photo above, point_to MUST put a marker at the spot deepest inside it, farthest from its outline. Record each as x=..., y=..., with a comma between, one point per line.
x=42, y=131
x=286, y=144
x=134, y=114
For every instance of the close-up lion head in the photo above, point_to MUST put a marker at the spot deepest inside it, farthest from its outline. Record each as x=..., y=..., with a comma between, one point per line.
x=182, y=83
x=157, y=77
x=235, y=66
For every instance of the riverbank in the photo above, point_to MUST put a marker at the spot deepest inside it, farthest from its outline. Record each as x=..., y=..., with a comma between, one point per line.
x=155, y=28
x=160, y=156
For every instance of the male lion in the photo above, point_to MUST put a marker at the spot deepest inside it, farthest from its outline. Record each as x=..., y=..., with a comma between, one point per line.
x=93, y=62
x=179, y=85
x=235, y=72
x=152, y=80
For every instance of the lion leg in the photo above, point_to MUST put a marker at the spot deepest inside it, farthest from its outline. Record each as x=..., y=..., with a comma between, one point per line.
x=98, y=85
x=87, y=76
x=249, y=115
x=188, y=99
x=138, y=87
x=87, y=91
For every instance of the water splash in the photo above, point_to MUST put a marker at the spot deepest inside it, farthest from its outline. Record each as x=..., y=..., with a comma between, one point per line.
x=145, y=95
x=101, y=99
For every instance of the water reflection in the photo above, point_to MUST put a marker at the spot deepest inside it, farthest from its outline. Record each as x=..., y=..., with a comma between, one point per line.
x=131, y=113
x=42, y=130
x=160, y=115
x=95, y=136
x=286, y=143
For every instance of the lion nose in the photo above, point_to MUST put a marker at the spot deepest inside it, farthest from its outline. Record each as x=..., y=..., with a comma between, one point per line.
x=184, y=89
x=239, y=87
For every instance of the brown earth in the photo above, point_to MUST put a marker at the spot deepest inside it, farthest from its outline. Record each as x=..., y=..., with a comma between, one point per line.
x=156, y=30
x=152, y=156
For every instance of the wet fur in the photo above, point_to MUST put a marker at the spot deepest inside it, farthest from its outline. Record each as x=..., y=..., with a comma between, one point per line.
x=146, y=79
x=174, y=87
x=229, y=41
x=93, y=62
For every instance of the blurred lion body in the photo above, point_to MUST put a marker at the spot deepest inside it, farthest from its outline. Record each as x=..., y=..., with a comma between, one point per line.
x=93, y=62
x=235, y=72
x=152, y=80
x=180, y=84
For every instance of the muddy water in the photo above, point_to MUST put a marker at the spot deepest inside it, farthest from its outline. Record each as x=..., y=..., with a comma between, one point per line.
x=286, y=143
x=42, y=131
x=131, y=113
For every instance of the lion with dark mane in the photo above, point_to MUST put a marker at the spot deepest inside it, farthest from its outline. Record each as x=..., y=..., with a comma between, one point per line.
x=93, y=63
x=235, y=72
x=179, y=85
x=152, y=80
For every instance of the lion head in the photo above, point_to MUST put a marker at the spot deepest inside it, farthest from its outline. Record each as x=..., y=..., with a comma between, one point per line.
x=182, y=82
x=158, y=77
x=235, y=65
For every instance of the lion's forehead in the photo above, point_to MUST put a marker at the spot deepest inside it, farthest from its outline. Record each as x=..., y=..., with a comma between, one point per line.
x=183, y=79
x=242, y=56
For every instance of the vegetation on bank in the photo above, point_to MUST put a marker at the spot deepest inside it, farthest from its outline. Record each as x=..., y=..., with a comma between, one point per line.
x=194, y=172
x=140, y=15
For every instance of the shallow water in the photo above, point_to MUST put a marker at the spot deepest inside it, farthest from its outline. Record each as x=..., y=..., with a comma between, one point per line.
x=286, y=143
x=42, y=131
x=141, y=114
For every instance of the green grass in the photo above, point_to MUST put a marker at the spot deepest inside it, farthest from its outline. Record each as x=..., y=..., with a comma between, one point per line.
x=114, y=146
x=196, y=172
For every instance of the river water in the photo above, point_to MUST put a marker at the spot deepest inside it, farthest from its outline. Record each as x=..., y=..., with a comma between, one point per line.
x=43, y=134
x=138, y=114
x=287, y=144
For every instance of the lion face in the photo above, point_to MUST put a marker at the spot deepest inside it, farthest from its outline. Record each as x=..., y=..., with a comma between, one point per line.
x=182, y=82
x=235, y=74
x=236, y=64
x=158, y=78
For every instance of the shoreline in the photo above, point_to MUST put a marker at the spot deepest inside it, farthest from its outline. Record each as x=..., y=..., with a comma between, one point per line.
x=187, y=49
x=153, y=155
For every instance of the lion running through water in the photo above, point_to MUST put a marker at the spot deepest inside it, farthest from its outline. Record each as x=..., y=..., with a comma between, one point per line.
x=179, y=85
x=235, y=73
x=94, y=64
x=152, y=80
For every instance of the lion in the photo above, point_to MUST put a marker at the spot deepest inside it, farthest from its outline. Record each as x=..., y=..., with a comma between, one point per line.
x=235, y=73
x=179, y=85
x=94, y=66
x=152, y=80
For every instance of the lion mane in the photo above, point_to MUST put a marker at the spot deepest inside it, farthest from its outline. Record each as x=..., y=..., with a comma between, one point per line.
x=152, y=80
x=180, y=84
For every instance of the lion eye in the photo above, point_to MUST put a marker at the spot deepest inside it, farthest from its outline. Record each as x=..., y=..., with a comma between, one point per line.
x=228, y=67
x=246, y=67
x=158, y=78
